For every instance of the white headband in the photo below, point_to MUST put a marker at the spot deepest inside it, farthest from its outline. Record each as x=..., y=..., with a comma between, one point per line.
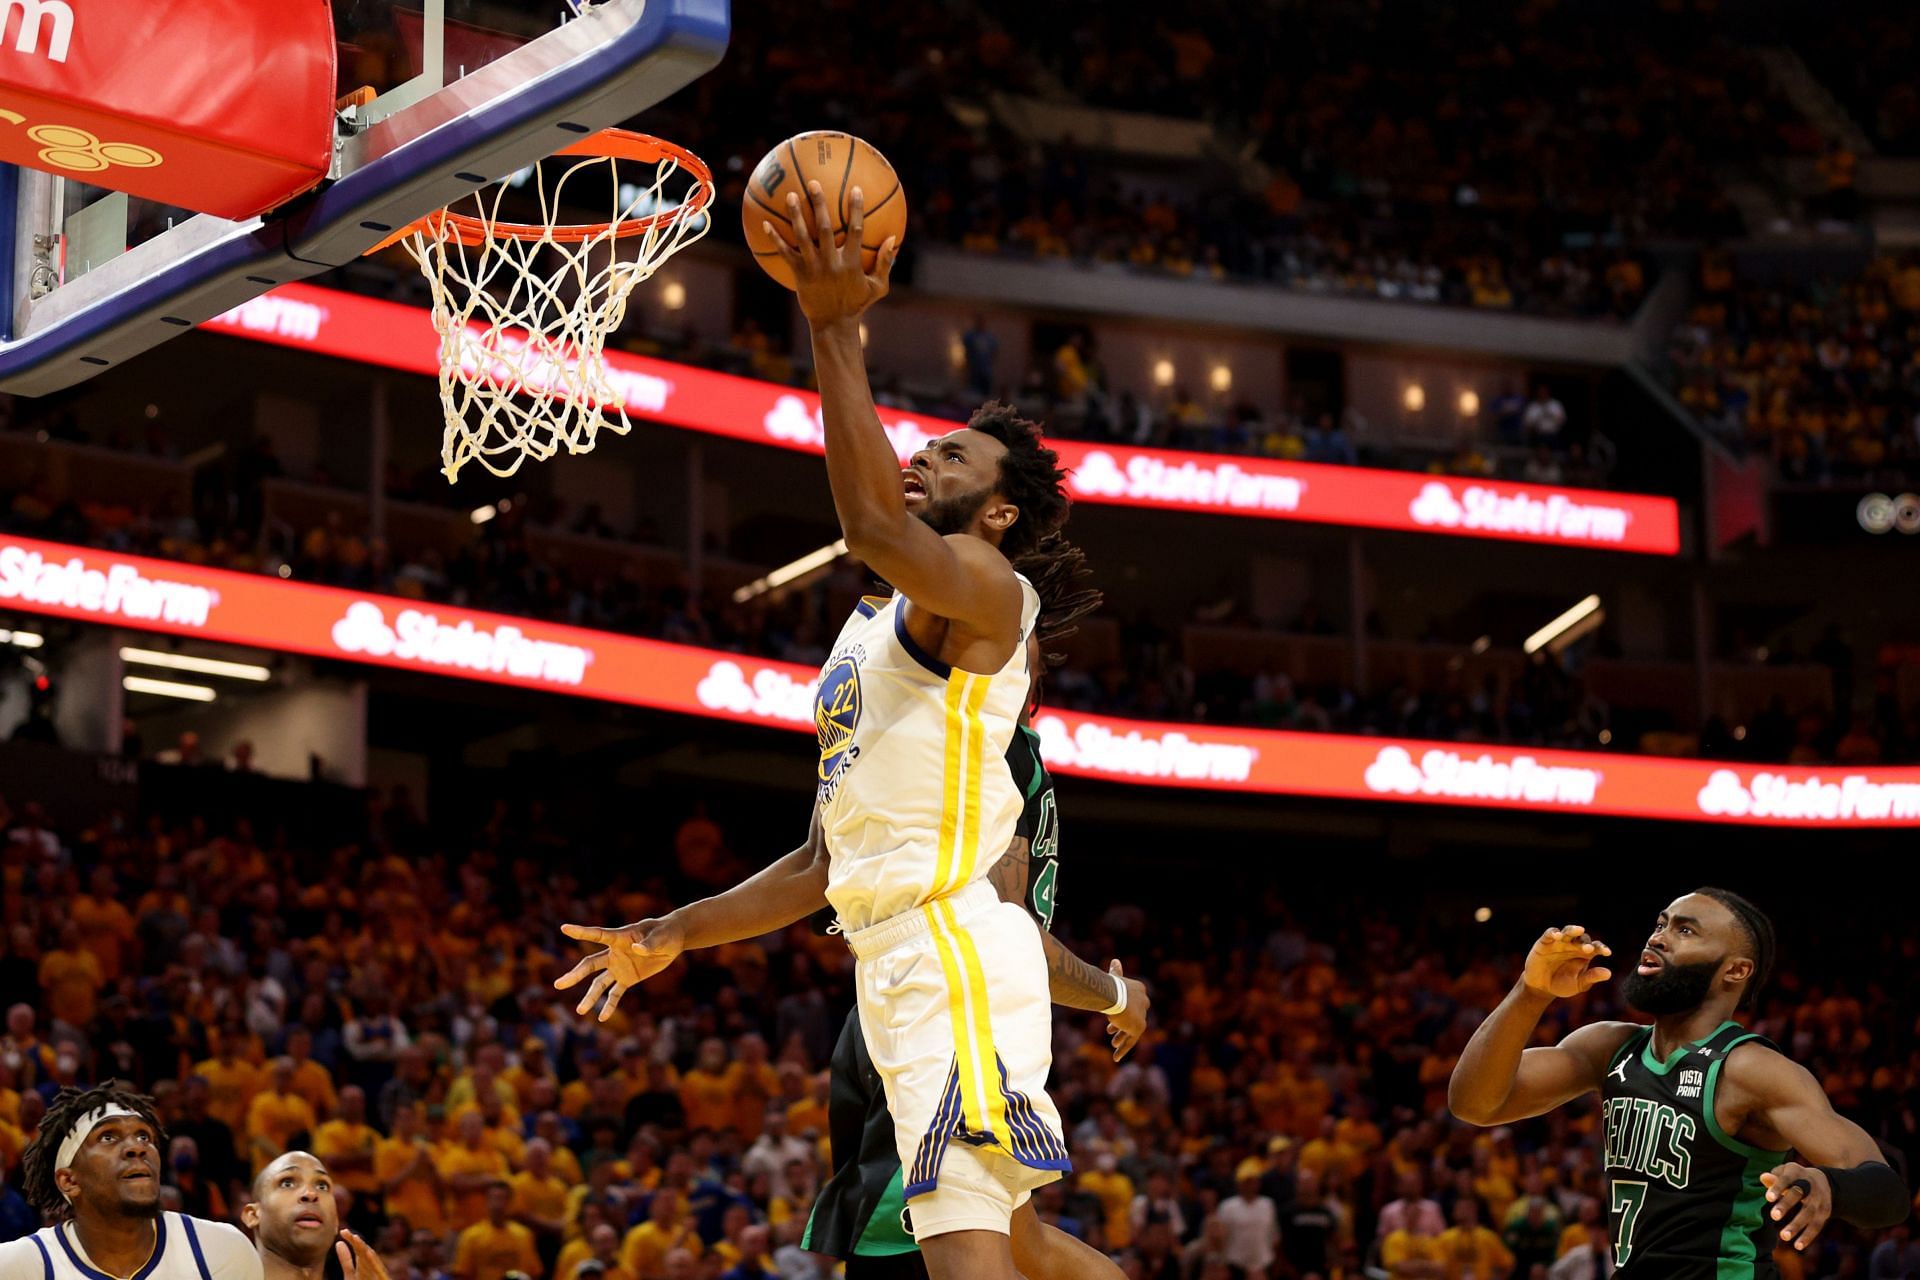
x=83, y=1129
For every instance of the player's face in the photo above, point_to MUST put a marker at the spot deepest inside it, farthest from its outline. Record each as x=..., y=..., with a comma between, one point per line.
x=948, y=482
x=295, y=1214
x=117, y=1170
x=1684, y=957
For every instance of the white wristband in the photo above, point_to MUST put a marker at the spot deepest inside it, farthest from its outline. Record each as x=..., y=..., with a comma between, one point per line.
x=1119, y=998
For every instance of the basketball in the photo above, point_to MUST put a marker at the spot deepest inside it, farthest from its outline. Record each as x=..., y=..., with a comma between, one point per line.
x=839, y=162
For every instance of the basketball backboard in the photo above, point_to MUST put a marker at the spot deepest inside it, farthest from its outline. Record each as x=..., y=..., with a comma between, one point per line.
x=465, y=92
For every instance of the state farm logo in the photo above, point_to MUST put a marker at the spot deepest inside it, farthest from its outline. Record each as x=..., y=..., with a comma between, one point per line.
x=1486, y=509
x=33, y=15
x=1770, y=795
x=118, y=591
x=417, y=636
x=1146, y=478
x=1446, y=773
x=770, y=695
x=791, y=421
x=1094, y=748
x=277, y=316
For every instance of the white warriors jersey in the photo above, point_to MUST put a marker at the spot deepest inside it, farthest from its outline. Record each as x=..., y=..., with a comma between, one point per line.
x=916, y=800
x=183, y=1249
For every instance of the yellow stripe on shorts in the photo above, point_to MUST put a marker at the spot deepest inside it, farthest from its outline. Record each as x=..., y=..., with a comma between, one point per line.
x=984, y=1051
x=963, y=1048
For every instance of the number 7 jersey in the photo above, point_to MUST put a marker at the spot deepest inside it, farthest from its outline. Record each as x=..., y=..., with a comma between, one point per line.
x=916, y=798
x=1684, y=1197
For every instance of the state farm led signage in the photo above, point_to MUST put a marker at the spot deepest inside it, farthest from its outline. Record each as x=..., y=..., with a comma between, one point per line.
x=401, y=337
x=329, y=622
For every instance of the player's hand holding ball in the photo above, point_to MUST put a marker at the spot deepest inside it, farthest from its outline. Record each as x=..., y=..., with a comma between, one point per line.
x=828, y=277
x=1561, y=965
x=632, y=954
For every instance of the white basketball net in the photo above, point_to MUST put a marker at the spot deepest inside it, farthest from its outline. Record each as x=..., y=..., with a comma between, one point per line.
x=524, y=314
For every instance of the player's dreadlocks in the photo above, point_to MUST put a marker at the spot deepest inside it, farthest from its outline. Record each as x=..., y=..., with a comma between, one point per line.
x=1058, y=570
x=1759, y=929
x=1030, y=477
x=68, y=1108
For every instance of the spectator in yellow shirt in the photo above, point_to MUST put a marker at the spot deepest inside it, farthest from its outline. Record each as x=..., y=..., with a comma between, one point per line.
x=1114, y=1190
x=1413, y=1253
x=755, y=1084
x=72, y=977
x=810, y=1112
x=494, y=1246
x=1582, y=1231
x=346, y=1143
x=105, y=925
x=404, y=1164
x=577, y=1095
x=275, y=1115
x=644, y=1251
x=468, y=1166
x=601, y=1247
x=540, y=1195
x=532, y=1069
x=582, y=1236
x=707, y=1091
x=231, y=1084
x=566, y=1165
x=1470, y=1251
x=311, y=1080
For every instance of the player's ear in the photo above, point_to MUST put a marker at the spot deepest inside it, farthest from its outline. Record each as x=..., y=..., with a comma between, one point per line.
x=1738, y=973
x=66, y=1183
x=250, y=1216
x=1000, y=516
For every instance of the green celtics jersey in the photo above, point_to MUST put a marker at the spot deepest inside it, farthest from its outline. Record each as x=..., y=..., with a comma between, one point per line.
x=1039, y=823
x=1685, y=1197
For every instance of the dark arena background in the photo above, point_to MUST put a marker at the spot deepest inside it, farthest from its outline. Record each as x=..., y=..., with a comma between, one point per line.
x=1494, y=430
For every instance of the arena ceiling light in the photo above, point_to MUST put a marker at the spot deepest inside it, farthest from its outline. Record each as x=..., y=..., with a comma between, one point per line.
x=168, y=689
x=786, y=573
x=199, y=666
x=1576, y=622
x=22, y=639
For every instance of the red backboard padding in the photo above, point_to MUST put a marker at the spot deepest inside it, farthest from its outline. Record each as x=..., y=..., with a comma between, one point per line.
x=220, y=106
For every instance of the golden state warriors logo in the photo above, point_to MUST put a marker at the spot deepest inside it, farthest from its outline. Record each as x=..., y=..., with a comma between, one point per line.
x=836, y=713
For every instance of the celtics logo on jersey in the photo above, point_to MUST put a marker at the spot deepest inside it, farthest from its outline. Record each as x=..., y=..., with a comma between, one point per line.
x=836, y=714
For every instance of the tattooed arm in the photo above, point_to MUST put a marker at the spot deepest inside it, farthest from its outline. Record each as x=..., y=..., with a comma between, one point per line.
x=1071, y=981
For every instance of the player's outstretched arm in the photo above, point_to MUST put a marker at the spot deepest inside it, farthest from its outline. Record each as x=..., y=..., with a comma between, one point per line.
x=1499, y=1079
x=1772, y=1102
x=789, y=890
x=958, y=578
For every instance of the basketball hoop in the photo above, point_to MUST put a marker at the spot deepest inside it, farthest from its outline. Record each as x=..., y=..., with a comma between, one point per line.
x=524, y=309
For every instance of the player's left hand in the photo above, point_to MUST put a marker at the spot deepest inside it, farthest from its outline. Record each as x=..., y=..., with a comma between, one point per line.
x=1800, y=1200
x=358, y=1261
x=1126, y=1027
x=827, y=277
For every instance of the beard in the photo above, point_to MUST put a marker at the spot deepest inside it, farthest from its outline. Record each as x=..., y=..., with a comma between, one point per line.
x=138, y=1209
x=953, y=515
x=1676, y=988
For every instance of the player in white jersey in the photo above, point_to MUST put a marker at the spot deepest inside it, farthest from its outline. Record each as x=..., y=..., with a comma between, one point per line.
x=296, y=1221
x=93, y=1171
x=915, y=709
x=925, y=694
